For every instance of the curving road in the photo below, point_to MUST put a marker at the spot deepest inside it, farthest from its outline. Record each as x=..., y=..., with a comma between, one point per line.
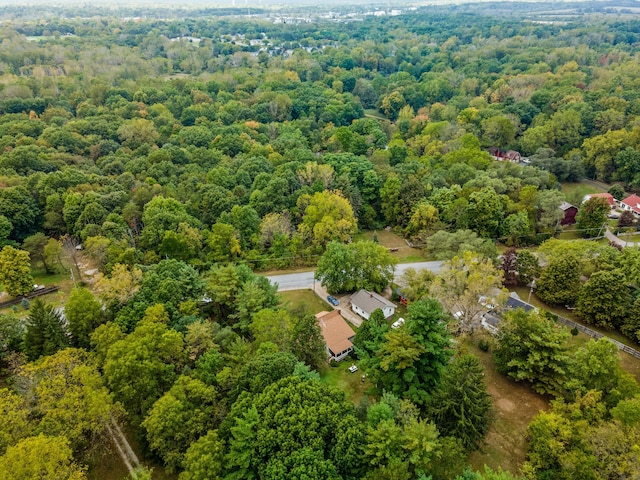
x=298, y=281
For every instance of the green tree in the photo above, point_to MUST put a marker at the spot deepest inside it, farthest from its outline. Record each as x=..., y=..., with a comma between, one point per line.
x=359, y=265
x=307, y=343
x=275, y=326
x=178, y=418
x=460, y=405
x=411, y=360
x=527, y=267
x=559, y=282
x=461, y=284
x=204, y=460
x=270, y=433
x=40, y=457
x=327, y=216
x=69, y=398
x=35, y=245
x=84, y=314
x=617, y=191
x=142, y=366
x=597, y=366
x=45, y=333
x=485, y=213
x=262, y=371
x=547, y=207
x=592, y=216
x=162, y=215
x=601, y=305
x=12, y=330
x=445, y=245
x=498, y=131
x=16, y=423
x=370, y=334
x=531, y=348
x=15, y=271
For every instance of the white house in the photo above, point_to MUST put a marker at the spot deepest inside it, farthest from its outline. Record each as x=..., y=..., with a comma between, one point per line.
x=364, y=303
x=337, y=334
x=631, y=204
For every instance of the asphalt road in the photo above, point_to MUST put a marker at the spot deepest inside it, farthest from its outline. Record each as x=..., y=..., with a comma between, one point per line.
x=297, y=281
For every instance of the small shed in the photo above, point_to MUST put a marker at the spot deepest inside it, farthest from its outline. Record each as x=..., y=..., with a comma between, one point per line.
x=364, y=303
x=570, y=212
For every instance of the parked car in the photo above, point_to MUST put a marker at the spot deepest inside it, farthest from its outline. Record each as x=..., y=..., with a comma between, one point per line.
x=333, y=300
x=398, y=323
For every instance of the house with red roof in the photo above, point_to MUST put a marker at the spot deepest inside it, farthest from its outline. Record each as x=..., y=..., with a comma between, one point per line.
x=632, y=204
x=607, y=196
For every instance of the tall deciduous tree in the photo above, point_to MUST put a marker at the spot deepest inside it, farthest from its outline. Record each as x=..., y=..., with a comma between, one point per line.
x=16, y=423
x=592, y=216
x=531, y=348
x=370, y=335
x=15, y=271
x=465, y=285
x=559, y=282
x=84, y=314
x=604, y=300
x=187, y=411
x=355, y=266
x=204, y=460
x=460, y=405
x=40, y=457
x=327, y=216
x=70, y=398
x=445, y=245
x=307, y=343
x=274, y=436
x=142, y=366
x=411, y=360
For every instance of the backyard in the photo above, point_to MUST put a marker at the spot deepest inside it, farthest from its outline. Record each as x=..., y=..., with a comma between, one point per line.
x=514, y=405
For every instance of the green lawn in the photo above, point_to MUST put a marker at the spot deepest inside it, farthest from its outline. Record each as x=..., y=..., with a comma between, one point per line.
x=574, y=192
x=404, y=254
x=350, y=383
x=304, y=299
x=62, y=280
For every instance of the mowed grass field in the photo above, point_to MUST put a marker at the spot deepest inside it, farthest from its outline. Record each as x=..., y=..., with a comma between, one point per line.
x=514, y=405
x=305, y=300
x=404, y=254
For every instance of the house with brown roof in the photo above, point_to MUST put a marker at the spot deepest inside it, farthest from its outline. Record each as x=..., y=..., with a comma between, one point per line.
x=364, y=303
x=337, y=334
x=632, y=204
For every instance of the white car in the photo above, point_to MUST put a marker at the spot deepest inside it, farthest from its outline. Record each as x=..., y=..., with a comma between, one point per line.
x=353, y=369
x=398, y=323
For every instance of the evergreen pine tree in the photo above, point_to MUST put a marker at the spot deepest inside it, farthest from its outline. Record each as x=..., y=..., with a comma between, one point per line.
x=460, y=404
x=45, y=333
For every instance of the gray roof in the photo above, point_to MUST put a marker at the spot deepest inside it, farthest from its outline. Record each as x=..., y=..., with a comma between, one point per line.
x=369, y=301
x=566, y=206
x=514, y=303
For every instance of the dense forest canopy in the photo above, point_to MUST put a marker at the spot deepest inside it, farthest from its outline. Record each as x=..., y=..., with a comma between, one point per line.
x=179, y=153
